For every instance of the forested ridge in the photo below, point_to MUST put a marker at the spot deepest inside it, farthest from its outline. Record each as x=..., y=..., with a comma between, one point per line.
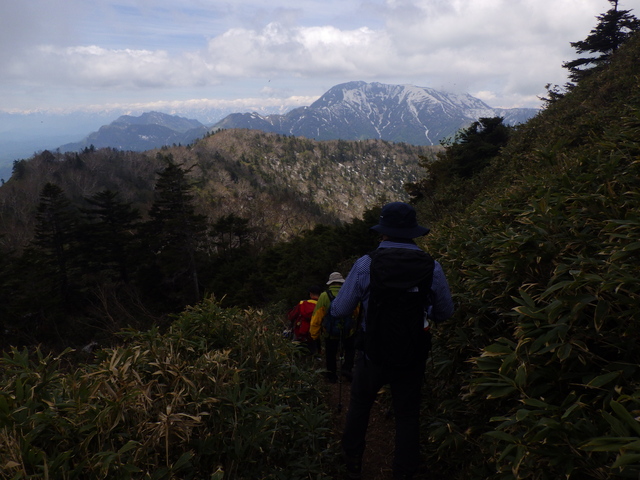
x=535, y=377
x=100, y=239
x=239, y=171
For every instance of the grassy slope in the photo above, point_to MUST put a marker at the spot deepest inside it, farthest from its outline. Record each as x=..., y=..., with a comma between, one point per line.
x=540, y=360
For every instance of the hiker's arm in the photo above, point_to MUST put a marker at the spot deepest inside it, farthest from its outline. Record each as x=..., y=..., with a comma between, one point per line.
x=353, y=289
x=441, y=306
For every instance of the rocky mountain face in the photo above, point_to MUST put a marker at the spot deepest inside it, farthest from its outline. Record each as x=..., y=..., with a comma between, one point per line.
x=149, y=130
x=396, y=113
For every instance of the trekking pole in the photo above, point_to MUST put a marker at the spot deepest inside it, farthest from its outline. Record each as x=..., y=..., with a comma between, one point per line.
x=340, y=365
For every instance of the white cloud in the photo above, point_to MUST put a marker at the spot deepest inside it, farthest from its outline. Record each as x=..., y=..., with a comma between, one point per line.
x=282, y=50
x=505, y=50
x=94, y=67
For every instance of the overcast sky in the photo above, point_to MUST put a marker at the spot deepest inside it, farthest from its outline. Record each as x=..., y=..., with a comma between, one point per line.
x=79, y=54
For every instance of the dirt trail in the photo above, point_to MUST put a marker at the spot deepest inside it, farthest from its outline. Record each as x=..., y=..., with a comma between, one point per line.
x=378, y=456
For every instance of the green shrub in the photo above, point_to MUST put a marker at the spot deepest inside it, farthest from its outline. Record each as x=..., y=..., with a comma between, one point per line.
x=537, y=376
x=220, y=393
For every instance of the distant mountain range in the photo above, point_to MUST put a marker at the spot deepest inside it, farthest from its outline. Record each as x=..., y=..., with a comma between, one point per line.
x=149, y=130
x=396, y=113
x=24, y=133
x=350, y=111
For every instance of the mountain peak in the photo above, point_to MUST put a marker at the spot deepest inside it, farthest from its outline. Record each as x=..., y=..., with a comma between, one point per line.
x=173, y=122
x=399, y=113
x=145, y=132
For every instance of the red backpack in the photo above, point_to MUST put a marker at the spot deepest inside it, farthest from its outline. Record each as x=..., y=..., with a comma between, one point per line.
x=300, y=318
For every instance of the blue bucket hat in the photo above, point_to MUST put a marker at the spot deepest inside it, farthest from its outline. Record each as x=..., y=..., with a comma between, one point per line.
x=398, y=219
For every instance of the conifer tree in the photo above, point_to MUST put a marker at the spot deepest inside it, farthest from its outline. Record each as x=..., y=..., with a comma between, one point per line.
x=4, y=292
x=230, y=231
x=613, y=29
x=174, y=230
x=54, y=234
x=476, y=145
x=109, y=234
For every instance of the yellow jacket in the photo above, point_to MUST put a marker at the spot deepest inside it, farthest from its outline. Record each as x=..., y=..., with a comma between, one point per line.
x=321, y=310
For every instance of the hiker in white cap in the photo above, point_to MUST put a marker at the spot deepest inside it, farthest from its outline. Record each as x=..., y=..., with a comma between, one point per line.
x=337, y=332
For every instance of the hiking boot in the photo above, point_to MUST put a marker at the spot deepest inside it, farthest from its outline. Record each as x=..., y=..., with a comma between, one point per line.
x=346, y=374
x=353, y=466
x=331, y=377
x=407, y=476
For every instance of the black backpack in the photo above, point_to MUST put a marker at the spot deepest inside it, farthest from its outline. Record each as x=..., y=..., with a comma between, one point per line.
x=337, y=327
x=399, y=296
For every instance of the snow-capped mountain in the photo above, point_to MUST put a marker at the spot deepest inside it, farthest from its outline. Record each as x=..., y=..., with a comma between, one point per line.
x=397, y=113
x=350, y=111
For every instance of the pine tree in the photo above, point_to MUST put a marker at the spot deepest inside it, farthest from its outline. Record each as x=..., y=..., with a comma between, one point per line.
x=5, y=292
x=109, y=233
x=229, y=232
x=55, y=232
x=476, y=145
x=613, y=29
x=174, y=230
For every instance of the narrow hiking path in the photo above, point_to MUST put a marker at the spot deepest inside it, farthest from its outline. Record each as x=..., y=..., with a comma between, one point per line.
x=377, y=460
x=378, y=457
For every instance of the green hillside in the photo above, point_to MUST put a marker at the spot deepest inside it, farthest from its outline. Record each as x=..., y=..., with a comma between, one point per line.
x=537, y=376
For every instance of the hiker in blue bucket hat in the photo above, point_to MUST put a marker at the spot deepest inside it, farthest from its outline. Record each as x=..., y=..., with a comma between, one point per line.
x=402, y=291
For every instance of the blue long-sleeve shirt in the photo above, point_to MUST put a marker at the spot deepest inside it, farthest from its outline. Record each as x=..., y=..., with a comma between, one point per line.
x=356, y=288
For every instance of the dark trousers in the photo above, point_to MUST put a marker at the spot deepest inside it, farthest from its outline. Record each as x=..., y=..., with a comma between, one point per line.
x=406, y=384
x=332, y=346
